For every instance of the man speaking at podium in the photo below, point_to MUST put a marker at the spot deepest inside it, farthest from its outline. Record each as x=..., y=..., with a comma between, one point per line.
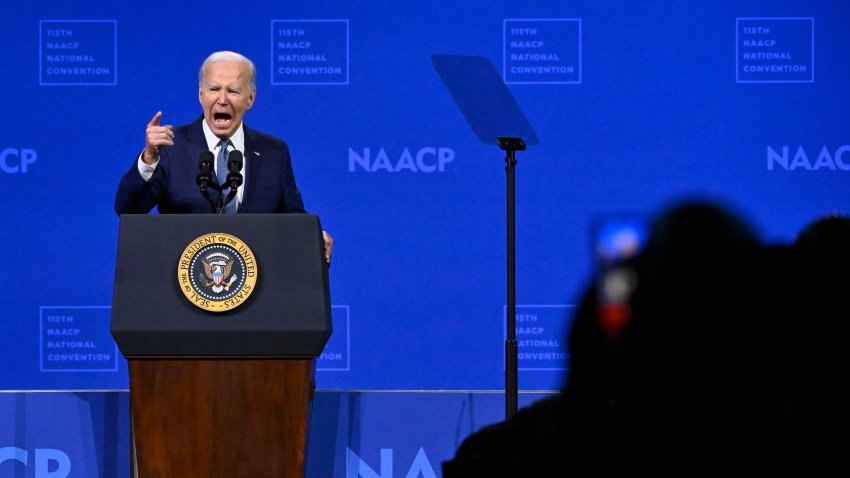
x=166, y=173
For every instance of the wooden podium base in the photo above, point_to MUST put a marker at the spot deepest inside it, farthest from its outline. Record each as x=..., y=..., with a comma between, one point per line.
x=220, y=417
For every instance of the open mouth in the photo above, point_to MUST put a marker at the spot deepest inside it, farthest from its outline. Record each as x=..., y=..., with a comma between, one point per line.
x=221, y=118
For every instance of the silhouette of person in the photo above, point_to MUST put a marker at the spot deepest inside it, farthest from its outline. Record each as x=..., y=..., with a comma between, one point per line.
x=816, y=337
x=681, y=383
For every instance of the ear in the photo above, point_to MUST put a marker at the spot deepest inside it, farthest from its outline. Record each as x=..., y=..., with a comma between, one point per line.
x=251, y=98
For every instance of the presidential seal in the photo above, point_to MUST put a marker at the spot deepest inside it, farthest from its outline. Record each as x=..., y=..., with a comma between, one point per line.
x=217, y=272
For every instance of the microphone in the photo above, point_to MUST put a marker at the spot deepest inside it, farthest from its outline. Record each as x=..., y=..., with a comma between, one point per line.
x=234, y=165
x=205, y=165
x=233, y=179
x=204, y=178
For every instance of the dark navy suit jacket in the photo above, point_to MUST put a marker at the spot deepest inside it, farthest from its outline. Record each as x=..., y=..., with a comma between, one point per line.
x=173, y=189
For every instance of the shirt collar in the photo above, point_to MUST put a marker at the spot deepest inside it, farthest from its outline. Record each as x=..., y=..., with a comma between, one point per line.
x=238, y=138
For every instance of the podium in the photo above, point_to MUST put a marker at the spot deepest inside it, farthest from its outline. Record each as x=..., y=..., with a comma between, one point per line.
x=221, y=318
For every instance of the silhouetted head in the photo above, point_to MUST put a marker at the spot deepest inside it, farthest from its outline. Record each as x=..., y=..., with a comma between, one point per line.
x=692, y=351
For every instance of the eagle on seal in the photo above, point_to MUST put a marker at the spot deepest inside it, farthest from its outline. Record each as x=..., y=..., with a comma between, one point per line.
x=217, y=268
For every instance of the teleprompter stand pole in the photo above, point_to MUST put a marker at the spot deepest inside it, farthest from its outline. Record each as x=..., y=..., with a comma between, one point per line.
x=511, y=146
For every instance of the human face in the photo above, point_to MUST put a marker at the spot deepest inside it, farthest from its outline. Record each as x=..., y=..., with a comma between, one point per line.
x=226, y=94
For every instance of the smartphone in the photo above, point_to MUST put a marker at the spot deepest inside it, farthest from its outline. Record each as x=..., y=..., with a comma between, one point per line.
x=618, y=239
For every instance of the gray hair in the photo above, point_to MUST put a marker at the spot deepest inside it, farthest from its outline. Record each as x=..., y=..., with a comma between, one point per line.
x=230, y=56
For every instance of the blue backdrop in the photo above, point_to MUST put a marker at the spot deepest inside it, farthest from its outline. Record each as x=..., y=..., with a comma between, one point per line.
x=636, y=105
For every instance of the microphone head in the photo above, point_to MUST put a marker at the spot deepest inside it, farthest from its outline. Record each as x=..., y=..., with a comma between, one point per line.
x=234, y=161
x=206, y=161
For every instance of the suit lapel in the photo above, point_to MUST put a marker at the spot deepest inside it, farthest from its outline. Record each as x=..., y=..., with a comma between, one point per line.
x=252, y=167
x=197, y=140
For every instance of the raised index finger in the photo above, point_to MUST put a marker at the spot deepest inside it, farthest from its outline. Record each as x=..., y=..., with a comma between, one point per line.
x=155, y=120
